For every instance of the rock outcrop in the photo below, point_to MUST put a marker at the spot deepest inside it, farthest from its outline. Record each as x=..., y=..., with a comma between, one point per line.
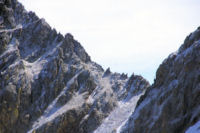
x=172, y=103
x=48, y=82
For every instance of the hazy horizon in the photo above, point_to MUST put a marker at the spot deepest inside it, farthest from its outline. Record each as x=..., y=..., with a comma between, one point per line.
x=131, y=36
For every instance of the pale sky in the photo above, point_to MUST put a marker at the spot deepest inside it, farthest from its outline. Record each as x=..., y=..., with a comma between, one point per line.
x=126, y=35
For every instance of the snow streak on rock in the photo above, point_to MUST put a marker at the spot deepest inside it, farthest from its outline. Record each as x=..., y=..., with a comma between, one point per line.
x=118, y=117
x=194, y=129
x=52, y=111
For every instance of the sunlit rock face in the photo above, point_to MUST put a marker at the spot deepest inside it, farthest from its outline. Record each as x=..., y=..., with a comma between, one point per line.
x=48, y=82
x=172, y=103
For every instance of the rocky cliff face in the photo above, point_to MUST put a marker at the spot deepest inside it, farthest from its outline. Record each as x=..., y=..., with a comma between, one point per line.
x=172, y=103
x=48, y=82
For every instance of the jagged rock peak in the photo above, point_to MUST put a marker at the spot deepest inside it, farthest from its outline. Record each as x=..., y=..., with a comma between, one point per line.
x=107, y=72
x=48, y=82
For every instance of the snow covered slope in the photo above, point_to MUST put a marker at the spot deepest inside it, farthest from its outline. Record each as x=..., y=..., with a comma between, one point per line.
x=194, y=128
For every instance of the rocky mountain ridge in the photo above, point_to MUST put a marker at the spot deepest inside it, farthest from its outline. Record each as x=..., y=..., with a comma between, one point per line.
x=171, y=104
x=49, y=84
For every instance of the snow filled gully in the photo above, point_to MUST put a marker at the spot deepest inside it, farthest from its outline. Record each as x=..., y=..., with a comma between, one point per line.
x=119, y=116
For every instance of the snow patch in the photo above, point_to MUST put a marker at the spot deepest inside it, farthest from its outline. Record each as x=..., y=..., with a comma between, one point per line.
x=33, y=69
x=12, y=47
x=119, y=116
x=19, y=26
x=194, y=129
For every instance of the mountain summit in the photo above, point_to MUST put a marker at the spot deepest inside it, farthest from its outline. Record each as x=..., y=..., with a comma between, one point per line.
x=49, y=84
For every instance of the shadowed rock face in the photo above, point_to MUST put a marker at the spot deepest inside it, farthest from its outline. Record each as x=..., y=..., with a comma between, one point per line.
x=172, y=103
x=48, y=82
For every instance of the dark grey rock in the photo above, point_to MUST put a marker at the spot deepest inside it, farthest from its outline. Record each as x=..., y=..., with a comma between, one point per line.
x=171, y=104
x=107, y=72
